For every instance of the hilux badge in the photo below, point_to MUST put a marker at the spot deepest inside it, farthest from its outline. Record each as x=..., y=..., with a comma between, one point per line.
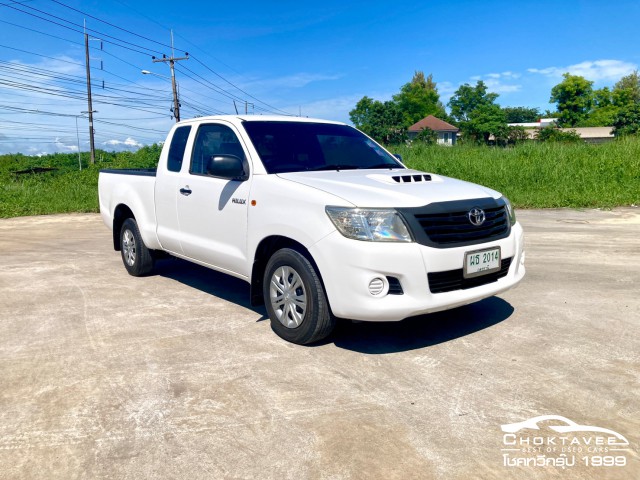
x=476, y=216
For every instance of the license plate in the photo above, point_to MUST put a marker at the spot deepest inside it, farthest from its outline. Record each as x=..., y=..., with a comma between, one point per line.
x=481, y=262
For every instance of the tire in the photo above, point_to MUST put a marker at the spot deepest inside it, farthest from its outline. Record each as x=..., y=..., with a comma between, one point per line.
x=136, y=257
x=295, y=299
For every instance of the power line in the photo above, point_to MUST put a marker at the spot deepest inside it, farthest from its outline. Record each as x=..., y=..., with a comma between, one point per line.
x=84, y=28
x=40, y=55
x=239, y=89
x=41, y=33
x=221, y=91
x=22, y=80
x=111, y=24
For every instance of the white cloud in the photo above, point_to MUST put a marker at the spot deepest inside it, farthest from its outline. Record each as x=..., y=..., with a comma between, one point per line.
x=64, y=146
x=597, y=70
x=129, y=142
x=446, y=90
x=500, y=83
x=298, y=80
x=510, y=75
x=337, y=108
x=496, y=86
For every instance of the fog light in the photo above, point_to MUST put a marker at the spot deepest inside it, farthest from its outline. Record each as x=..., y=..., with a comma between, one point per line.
x=522, y=258
x=376, y=286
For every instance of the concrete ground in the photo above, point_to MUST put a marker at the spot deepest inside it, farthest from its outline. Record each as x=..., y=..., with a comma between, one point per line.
x=103, y=375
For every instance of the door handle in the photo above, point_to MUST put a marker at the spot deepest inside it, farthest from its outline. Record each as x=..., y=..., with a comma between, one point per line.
x=186, y=191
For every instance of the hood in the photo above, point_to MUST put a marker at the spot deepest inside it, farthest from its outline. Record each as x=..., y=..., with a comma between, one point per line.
x=390, y=188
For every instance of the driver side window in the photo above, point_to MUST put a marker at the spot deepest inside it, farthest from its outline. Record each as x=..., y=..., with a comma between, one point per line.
x=213, y=140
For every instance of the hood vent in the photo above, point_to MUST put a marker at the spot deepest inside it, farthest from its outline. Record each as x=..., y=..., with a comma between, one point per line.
x=411, y=178
x=406, y=179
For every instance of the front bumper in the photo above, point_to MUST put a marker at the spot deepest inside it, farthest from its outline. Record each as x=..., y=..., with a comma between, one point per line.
x=348, y=267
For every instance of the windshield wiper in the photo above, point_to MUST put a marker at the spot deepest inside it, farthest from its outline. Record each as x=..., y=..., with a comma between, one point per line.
x=381, y=165
x=337, y=167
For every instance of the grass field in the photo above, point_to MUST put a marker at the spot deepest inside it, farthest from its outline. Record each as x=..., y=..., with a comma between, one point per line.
x=542, y=175
x=66, y=188
x=532, y=175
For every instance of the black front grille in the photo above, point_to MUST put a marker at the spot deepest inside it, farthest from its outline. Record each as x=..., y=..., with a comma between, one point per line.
x=447, y=224
x=451, y=280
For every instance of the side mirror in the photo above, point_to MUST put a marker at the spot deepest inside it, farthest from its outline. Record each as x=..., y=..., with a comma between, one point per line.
x=227, y=166
x=398, y=156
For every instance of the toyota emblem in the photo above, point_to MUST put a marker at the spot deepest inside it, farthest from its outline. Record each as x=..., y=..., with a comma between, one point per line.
x=476, y=216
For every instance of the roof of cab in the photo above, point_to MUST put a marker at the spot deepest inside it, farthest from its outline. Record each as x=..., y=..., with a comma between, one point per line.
x=259, y=118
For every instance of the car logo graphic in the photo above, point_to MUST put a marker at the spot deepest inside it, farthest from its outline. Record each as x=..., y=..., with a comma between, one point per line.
x=476, y=216
x=570, y=426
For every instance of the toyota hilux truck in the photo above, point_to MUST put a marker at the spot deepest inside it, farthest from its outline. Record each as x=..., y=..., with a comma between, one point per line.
x=320, y=220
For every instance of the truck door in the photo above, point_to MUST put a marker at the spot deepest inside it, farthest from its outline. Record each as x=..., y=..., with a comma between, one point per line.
x=166, y=191
x=212, y=210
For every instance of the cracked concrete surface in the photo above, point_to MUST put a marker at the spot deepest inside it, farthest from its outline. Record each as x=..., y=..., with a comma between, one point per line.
x=103, y=375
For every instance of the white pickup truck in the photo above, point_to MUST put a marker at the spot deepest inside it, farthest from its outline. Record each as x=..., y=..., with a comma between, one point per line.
x=319, y=219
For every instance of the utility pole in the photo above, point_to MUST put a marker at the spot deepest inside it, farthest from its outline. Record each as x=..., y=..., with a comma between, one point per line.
x=91, y=141
x=78, y=138
x=171, y=60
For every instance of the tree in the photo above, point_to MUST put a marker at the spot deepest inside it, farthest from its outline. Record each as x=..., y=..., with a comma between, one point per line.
x=418, y=99
x=627, y=90
x=487, y=120
x=382, y=121
x=388, y=122
x=363, y=116
x=602, y=98
x=479, y=117
x=555, y=134
x=521, y=114
x=603, y=111
x=516, y=135
x=601, y=117
x=573, y=97
x=426, y=136
x=627, y=122
x=467, y=99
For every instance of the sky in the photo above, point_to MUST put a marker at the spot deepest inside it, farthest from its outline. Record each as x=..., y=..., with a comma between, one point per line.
x=315, y=59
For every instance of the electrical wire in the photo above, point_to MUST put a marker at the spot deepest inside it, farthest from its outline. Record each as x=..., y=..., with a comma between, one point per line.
x=48, y=83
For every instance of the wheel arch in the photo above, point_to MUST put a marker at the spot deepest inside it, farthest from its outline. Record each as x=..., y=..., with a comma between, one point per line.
x=265, y=249
x=120, y=214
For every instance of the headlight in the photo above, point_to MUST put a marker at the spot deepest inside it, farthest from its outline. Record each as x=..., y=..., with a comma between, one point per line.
x=369, y=224
x=510, y=211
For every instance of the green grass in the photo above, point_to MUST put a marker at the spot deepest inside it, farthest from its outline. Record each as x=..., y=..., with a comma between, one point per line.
x=532, y=175
x=541, y=175
x=64, y=190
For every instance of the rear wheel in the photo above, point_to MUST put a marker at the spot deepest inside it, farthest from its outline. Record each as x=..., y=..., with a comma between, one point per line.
x=136, y=256
x=295, y=299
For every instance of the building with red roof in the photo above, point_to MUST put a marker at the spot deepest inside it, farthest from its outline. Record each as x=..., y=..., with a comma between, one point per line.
x=447, y=133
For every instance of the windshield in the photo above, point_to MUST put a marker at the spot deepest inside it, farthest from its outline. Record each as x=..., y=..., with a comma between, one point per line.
x=302, y=147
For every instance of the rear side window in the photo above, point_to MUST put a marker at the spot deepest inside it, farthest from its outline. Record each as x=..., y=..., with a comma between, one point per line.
x=176, y=150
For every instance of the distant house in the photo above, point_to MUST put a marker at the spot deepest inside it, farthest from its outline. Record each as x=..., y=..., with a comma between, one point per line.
x=541, y=123
x=447, y=133
x=593, y=134
x=588, y=134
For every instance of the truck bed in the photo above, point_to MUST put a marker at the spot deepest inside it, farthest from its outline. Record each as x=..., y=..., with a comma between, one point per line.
x=135, y=189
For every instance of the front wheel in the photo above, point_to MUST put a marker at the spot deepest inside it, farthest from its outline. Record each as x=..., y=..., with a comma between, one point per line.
x=295, y=299
x=136, y=256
